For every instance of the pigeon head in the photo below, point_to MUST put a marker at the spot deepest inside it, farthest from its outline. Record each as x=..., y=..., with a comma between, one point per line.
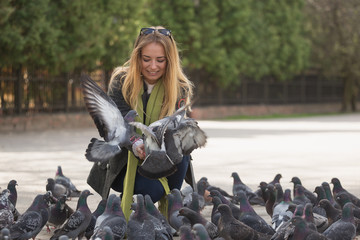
x=337, y=185
x=236, y=177
x=200, y=231
x=12, y=184
x=59, y=172
x=130, y=116
x=287, y=195
x=225, y=211
x=325, y=204
x=342, y=198
x=295, y=181
x=82, y=202
x=308, y=212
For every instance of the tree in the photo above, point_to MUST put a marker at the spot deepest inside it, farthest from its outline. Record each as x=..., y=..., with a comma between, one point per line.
x=334, y=32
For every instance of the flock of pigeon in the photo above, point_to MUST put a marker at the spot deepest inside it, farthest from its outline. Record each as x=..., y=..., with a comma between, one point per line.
x=296, y=213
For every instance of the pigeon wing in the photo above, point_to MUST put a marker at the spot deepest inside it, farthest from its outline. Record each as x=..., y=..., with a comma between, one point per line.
x=103, y=110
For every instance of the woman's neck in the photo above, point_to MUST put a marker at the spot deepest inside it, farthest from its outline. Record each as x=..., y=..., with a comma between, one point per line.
x=150, y=86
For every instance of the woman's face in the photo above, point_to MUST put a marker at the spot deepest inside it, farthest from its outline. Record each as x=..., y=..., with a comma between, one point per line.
x=153, y=62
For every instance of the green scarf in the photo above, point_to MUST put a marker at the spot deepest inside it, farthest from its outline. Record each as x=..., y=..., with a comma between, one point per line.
x=153, y=109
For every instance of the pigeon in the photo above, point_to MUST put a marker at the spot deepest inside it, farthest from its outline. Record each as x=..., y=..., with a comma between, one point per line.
x=105, y=234
x=234, y=209
x=231, y=228
x=276, y=179
x=250, y=217
x=339, y=189
x=186, y=195
x=5, y=202
x=57, y=190
x=238, y=185
x=115, y=220
x=107, y=211
x=195, y=217
x=112, y=126
x=302, y=231
x=203, y=192
x=320, y=192
x=76, y=224
x=299, y=196
x=143, y=226
x=174, y=205
x=60, y=178
x=210, y=187
x=343, y=228
x=215, y=214
x=279, y=194
x=269, y=204
x=310, y=195
x=13, y=193
x=343, y=198
x=185, y=233
x=6, y=215
x=32, y=220
x=5, y=234
x=153, y=211
x=280, y=212
x=329, y=195
x=197, y=202
x=333, y=214
x=287, y=228
x=59, y=212
x=200, y=232
x=98, y=211
x=157, y=162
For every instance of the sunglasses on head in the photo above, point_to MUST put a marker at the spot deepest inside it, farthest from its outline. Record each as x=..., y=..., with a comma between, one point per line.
x=163, y=31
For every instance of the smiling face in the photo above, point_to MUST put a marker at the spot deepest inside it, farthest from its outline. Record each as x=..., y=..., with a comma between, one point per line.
x=153, y=62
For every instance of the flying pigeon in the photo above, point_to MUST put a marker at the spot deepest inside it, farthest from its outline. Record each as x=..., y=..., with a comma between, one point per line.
x=32, y=220
x=343, y=228
x=157, y=162
x=112, y=126
x=77, y=223
x=62, y=179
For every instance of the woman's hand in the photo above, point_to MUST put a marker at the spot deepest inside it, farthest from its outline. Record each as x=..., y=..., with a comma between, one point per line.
x=139, y=149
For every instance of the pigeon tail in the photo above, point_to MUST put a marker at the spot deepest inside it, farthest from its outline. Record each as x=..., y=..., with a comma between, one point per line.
x=101, y=151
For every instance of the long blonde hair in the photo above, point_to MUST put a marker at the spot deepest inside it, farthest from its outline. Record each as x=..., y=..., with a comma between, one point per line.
x=174, y=80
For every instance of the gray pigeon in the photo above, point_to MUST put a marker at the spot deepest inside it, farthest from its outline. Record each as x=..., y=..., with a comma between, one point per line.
x=112, y=126
x=320, y=192
x=32, y=220
x=114, y=219
x=60, y=178
x=186, y=233
x=343, y=198
x=153, y=211
x=5, y=234
x=107, y=212
x=280, y=212
x=338, y=188
x=309, y=194
x=231, y=228
x=215, y=214
x=105, y=233
x=76, y=224
x=174, y=205
x=200, y=232
x=344, y=228
x=98, y=211
x=186, y=193
x=250, y=217
x=333, y=214
x=299, y=196
x=13, y=193
x=6, y=214
x=140, y=225
x=303, y=231
x=238, y=186
x=157, y=162
x=195, y=217
x=57, y=190
x=329, y=196
x=59, y=212
x=234, y=209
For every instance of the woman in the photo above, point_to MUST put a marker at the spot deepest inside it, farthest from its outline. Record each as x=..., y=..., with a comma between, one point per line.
x=152, y=83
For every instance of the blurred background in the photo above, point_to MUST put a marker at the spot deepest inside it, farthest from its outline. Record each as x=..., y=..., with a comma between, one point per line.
x=245, y=57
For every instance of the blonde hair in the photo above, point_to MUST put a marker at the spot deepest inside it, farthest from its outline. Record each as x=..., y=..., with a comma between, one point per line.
x=174, y=80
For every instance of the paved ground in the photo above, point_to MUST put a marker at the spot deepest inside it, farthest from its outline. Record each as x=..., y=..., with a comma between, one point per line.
x=315, y=149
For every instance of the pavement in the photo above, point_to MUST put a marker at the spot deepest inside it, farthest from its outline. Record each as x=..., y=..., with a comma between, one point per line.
x=315, y=149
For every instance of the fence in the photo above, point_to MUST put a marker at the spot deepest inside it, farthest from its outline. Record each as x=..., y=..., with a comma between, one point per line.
x=26, y=94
